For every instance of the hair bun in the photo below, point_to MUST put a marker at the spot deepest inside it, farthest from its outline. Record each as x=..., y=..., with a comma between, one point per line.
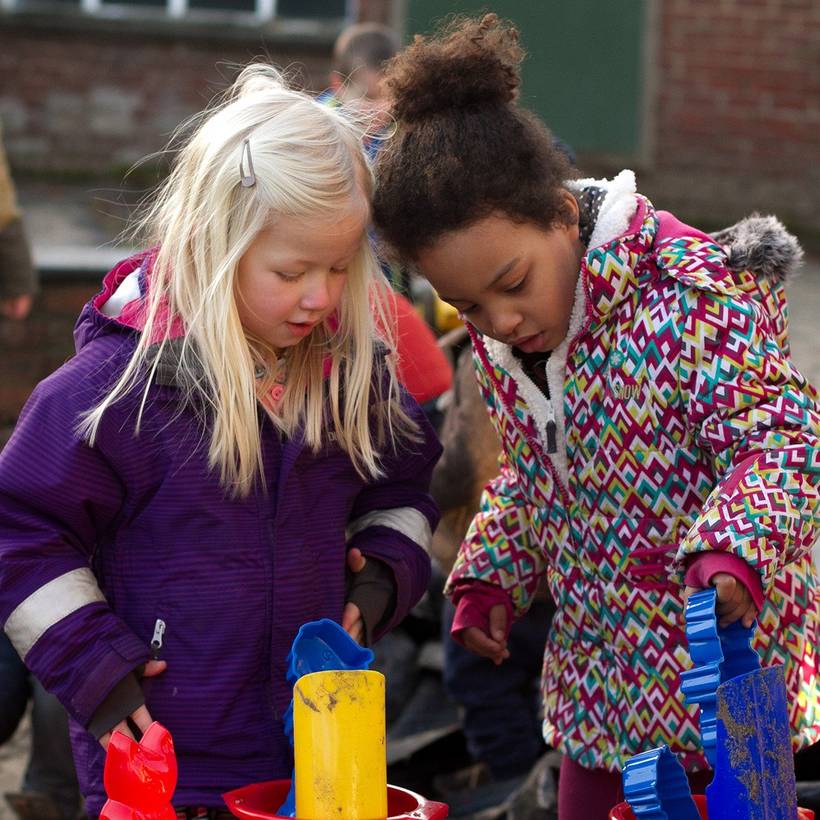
x=257, y=77
x=470, y=62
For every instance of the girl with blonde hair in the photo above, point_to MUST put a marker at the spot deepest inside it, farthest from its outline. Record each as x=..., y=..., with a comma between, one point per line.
x=227, y=446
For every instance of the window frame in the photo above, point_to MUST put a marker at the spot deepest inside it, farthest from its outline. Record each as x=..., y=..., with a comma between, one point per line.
x=265, y=11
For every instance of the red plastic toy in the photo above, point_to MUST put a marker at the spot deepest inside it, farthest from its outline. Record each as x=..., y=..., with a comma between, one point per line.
x=140, y=778
x=260, y=801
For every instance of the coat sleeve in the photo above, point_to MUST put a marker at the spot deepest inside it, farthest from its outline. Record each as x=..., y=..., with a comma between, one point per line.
x=757, y=419
x=58, y=499
x=500, y=547
x=393, y=518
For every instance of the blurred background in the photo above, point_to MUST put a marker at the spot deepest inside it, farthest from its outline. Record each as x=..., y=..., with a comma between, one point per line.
x=714, y=103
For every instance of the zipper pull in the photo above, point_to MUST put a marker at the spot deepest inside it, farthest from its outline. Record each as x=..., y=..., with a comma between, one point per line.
x=552, y=444
x=551, y=429
x=156, y=640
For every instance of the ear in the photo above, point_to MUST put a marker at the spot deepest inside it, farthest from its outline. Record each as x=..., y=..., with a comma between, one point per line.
x=336, y=81
x=570, y=218
x=571, y=210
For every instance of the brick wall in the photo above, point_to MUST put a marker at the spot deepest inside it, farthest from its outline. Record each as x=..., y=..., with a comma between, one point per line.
x=33, y=349
x=85, y=95
x=736, y=121
x=91, y=103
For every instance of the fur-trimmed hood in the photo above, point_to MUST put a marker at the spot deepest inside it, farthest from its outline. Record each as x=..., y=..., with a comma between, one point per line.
x=762, y=245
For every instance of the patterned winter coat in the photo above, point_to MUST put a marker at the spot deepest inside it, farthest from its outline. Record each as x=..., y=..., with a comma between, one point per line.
x=683, y=427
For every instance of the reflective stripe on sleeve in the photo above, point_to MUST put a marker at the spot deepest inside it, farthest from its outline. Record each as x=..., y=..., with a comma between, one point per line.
x=48, y=605
x=406, y=520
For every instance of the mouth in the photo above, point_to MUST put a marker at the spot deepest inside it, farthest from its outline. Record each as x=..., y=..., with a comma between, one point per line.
x=529, y=344
x=301, y=328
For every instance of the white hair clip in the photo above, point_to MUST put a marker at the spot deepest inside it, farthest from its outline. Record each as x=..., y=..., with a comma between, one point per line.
x=248, y=180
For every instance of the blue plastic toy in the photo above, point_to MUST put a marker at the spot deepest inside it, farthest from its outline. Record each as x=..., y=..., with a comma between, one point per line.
x=754, y=769
x=656, y=788
x=718, y=654
x=318, y=647
x=744, y=726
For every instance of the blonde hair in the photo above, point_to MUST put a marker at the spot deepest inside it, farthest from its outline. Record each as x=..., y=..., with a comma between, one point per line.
x=307, y=160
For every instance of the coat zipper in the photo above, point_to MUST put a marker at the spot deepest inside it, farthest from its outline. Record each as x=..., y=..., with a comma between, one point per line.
x=551, y=429
x=563, y=492
x=156, y=640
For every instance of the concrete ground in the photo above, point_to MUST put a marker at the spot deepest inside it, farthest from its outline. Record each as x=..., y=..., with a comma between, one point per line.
x=64, y=230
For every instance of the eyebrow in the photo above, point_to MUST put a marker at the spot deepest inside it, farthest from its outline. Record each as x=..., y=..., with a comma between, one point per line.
x=499, y=274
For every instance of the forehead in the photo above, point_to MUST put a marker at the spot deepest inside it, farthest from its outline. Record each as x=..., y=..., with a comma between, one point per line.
x=335, y=233
x=466, y=260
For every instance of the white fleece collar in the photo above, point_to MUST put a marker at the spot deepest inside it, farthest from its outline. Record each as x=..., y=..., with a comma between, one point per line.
x=616, y=210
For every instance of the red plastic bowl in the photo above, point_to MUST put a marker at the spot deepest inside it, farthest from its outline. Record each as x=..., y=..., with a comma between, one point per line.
x=623, y=812
x=262, y=800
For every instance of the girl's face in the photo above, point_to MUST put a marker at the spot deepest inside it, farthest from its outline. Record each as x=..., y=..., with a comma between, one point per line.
x=293, y=275
x=514, y=282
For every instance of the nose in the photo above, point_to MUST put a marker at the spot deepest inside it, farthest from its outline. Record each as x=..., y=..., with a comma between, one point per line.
x=504, y=323
x=316, y=295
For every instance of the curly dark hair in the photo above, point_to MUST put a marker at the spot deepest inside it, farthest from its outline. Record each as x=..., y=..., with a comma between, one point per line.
x=463, y=148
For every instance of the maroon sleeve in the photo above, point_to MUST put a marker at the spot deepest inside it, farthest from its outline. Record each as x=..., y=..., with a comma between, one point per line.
x=707, y=564
x=473, y=601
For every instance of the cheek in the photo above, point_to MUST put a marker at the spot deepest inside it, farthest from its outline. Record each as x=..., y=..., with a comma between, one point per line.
x=259, y=296
x=337, y=289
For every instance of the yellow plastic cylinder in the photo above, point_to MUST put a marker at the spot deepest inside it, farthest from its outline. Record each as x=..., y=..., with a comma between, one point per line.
x=339, y=746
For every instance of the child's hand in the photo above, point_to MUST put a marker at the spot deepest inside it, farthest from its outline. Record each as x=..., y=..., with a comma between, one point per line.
x=494, y=645
x=734, y=601
x=141, y=716
x=352, y=621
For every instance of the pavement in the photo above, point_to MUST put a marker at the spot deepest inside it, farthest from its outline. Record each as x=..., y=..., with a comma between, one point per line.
x=75, y=228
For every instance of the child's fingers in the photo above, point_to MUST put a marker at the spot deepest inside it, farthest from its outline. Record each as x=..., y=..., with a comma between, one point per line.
x=357, y=631
x=122, y=726
x=153, y=668
x=498, y=624
x=734, y=599
x=481, y=644
x=142, y=718
x=749, y=616
x=352, y=622
x=355, y=560
x=729, y=591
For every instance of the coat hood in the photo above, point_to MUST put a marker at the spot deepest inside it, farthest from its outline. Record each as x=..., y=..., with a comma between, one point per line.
x=119, y=305
x=762, y=245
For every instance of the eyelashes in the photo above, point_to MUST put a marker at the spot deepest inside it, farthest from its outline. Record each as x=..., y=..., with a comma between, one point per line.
x=519, y=286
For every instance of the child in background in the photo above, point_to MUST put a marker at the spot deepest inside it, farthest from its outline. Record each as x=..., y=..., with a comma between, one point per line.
x=656, y=437
x=190, y=488
x=360, y=54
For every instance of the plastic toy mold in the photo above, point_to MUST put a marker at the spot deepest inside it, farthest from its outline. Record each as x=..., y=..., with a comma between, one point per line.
x=140, y=778
x=656, y=788
x=718, y=654
x=754, y=770
x=744, y=725
x=319, y=646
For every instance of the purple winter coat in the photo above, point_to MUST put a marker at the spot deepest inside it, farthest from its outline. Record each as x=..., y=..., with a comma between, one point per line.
x=99, y=544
